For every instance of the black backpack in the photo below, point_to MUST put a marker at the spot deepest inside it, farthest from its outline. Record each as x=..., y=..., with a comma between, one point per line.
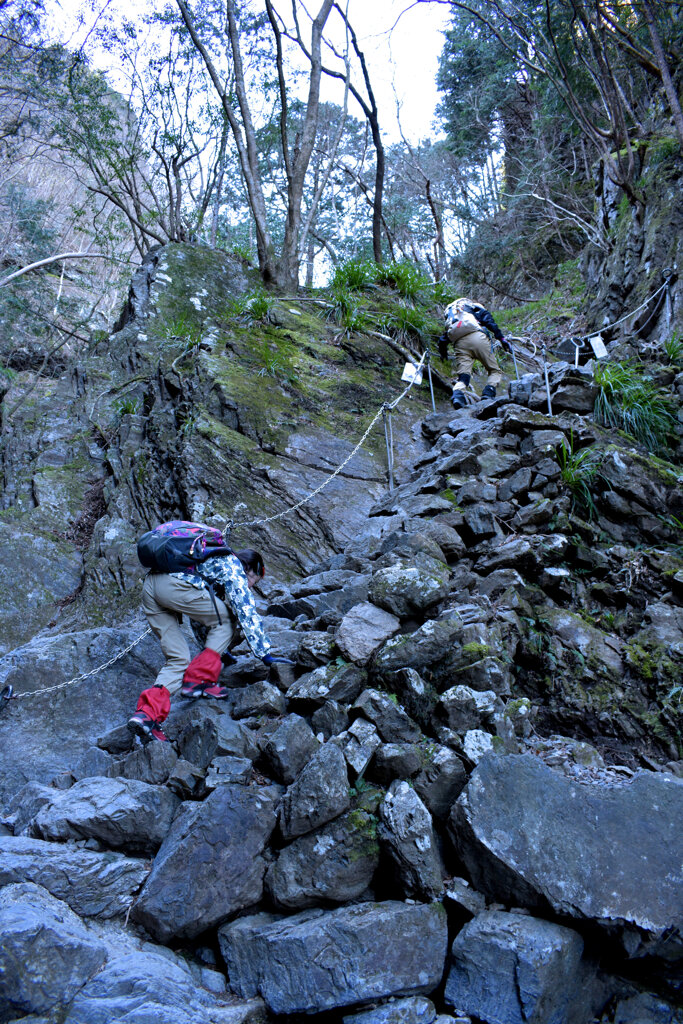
x=180, y=546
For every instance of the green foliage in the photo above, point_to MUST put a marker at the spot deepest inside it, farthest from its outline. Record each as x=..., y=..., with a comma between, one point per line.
x=405, y=277
x=7, y=373
x=673, y=347
x=279, y=370
x=126, y=405
x=442, y=293
x=406, y=322
x=183, y=327
x=354, y=275
x=580, y=471
x=631, y=401
x=345, y=311
x=252, y=308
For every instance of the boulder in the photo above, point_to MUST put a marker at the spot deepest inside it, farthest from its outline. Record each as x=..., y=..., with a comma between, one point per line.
x=92, y=884
x=258, y=699
x=152, y=763
x=146, y=984
x=407, y=835
x=514, y=969
x=319, y=794
x=119, y=812
x=330, y=719
x=462, y=708
x=224, y=771
x=407, y=590
x=561, y=849
x=47, y=953
x=210, y=732
x=289, y=748
x=328, y=682
x=210, y=864
x=428, y=647
x=335, y=864
x=363, y=630
x=396, y=761
x=391, y=721
x=318, y=960
x=441, y=780
x=359, y=743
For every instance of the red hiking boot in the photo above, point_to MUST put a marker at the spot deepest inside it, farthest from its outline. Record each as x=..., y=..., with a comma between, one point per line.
x=140, y=724
x=204, y=688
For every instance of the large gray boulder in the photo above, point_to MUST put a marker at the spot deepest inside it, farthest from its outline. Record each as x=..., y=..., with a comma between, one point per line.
x=391, y=721
x=290, y=747
x=319, y=794
x=47, y=953
x=316, y=961
x=408, y=590
x=335, y=864
x=407, y=835
x=210, y=864
x=561, y=848
x=363, y=629
x=93, y=884
x=146, y=985
x=121, y=813
x=514, y=969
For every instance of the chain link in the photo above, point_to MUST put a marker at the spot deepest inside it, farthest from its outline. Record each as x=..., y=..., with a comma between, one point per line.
x=86, y=675
x=304, y=501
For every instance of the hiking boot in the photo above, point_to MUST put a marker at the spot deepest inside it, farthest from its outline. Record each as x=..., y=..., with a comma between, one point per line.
x=488, y=392
x=458, y=400
x=204, y=688
x=142, y=725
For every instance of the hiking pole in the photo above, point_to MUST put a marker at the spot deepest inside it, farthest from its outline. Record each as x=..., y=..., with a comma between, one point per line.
x=428, y=360
x=547, y=382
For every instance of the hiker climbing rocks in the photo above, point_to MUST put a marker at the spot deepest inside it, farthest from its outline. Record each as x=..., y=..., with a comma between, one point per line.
x=193, y=572
x=464, y=320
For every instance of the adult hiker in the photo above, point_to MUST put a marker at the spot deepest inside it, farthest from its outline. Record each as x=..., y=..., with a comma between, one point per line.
x=464, y=320
x=215, y=591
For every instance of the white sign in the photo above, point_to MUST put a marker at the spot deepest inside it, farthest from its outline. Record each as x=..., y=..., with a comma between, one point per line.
x=410, y=372
x=598, y=347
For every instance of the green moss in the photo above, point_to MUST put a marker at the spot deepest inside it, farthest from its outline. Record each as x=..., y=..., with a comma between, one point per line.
x=475, y=650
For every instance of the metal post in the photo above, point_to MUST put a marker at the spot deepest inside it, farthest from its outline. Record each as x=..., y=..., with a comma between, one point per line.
x=390, y=446
x=429, y=375
x=547, y=382
x=514, y=359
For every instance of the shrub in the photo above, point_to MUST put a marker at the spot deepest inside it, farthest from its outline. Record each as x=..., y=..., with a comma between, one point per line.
x=631, y=401
x=406, y=278
x=354, y=275
x=673, y=347
x=580, y=471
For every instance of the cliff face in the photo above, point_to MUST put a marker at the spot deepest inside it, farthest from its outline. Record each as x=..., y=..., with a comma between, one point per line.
x=483, y=715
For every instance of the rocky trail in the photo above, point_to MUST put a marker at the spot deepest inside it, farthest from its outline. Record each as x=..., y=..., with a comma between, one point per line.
x=462, y=803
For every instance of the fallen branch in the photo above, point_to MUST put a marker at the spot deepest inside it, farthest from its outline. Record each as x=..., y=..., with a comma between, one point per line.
x=56, y=259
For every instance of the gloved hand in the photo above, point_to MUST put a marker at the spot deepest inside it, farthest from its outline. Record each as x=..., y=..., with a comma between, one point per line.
x=507, y=345
x=276, y=659
x=443, y=346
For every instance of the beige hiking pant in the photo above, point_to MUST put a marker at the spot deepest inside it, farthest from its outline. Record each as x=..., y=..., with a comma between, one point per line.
x=476, y=346
x=162, y=597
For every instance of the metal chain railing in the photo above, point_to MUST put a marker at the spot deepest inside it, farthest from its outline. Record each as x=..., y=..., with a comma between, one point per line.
x=8, y=692
x=608, y=327
x=387, y=406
